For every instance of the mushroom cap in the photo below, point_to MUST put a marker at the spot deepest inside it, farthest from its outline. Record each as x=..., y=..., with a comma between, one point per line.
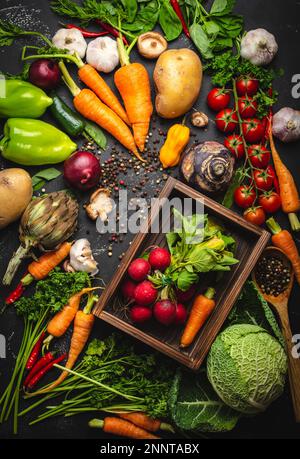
x=151, y=45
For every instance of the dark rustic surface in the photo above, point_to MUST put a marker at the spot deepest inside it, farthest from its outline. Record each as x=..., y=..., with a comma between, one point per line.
x=281, y=18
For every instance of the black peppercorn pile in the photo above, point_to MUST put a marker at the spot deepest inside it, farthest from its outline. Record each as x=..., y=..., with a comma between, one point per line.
x=272, y=276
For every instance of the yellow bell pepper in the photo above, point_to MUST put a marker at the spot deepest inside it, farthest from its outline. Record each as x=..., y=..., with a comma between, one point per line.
x=177, y=139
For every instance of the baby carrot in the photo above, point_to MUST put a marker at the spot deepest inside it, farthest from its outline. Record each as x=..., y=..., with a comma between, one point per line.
x=121, y=428
x=144, y=421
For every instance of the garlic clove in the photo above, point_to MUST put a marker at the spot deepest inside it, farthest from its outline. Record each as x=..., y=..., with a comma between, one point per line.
x=81, y=258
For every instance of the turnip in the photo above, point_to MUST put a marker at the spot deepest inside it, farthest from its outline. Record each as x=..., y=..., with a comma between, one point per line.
x=160, y=259
x=165, y=312
x=184, y=297
x=145, y=293
x=181, y=314
x=140, y=314
x=139, y=269
x=128, y=289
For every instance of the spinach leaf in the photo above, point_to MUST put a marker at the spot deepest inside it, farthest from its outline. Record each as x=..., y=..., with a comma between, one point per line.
x=195, y=407
x=236, y=181
x=131, y=8
x=201, y=40
x=221, y=7
x=145, y=19
x=39, y=179
x=169, y=21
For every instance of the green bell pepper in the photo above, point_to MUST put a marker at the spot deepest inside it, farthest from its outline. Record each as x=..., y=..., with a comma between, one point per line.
x=34, y=143
x=20, y=99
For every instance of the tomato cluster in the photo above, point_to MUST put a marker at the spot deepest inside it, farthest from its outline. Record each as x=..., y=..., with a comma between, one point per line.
x=251, y=137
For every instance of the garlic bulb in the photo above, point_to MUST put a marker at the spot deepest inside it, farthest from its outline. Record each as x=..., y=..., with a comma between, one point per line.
x=259, y=47
x=286, y=125
x=71, y=39
x=81, y=257
x=102, y=54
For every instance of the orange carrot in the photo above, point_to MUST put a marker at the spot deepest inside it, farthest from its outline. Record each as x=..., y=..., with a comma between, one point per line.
x=91, y=107
x=288, y=189
x=41, y=268
x=83, y=324
x=146, y=422
x=133, y=83
x=121, y=428
x=201, y=310
x=284, y=241
x=97, y=84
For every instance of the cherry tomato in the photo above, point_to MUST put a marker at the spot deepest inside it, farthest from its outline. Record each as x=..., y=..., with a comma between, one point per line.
x=270, y=202
x=235, y=145
x=259, y=156
x=253, y=130
x=255, y=215
x=247, y=86
x=218, y=99
x=227, y=120
x=247, y=107
x=271, y=171
x=263, y=180
x=244, y=196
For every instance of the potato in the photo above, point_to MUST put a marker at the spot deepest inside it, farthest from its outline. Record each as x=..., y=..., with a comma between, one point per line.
x=178, y=79
x=15, y=194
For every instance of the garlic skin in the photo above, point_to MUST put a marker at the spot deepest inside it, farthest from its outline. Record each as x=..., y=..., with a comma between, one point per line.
x=81, y=258
x=71, y=39
x=102, y=54
x=259, y=47
x=286, y=125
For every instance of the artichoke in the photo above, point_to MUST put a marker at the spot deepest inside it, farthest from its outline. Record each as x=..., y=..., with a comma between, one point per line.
x=47, y=222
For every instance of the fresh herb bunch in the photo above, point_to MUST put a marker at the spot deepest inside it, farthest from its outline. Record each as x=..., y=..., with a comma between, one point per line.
x=112, y=377
x=10, y=32
x=200, y=245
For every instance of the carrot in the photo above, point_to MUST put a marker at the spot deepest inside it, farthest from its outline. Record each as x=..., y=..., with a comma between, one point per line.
x=60, y=323
x=83, y=324
x=144, y=421
x=288, y=189
x=121, y=428
x=133, y=83
x=41, y=268
x=284, y=241
x=97, y=84
x=201, y=310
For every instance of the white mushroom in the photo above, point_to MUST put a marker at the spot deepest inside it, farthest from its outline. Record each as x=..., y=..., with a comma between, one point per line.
x=151, y=45
x=102, y=54
x=81, y=258
x=100, y=205
x=71, y=39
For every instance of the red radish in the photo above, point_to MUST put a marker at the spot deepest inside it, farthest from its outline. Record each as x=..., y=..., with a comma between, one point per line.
x=183, y=297
x=145, y=293
x=139, y=269
x=128, y=289
x=181, y=314
x=140, y=314
x=82, y=170
x=165, y=312
x=160, y=259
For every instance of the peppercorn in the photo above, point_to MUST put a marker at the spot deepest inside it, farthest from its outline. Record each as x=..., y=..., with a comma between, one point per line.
x=272, y=275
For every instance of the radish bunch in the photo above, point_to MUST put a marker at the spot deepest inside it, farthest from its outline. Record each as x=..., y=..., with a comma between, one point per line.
x=139, y=290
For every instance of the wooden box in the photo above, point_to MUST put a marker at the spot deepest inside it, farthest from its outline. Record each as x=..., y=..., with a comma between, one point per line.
x=251, y=241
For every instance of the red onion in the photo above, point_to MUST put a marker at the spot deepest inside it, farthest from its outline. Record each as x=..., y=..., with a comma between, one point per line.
x=82, y=170
x=44, y=73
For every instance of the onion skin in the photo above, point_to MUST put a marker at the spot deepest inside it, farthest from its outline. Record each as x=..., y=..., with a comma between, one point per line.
x=82, y=170
x=286, y=125
x=45, y=74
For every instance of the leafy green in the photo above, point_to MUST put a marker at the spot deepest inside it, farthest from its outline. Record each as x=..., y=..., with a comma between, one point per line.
x=51, y=294
x=195, y=407
x=221, y=7
x=9, y=32
x=238, y=178
x=46, y=175
x=169, y=21
x=23, y=75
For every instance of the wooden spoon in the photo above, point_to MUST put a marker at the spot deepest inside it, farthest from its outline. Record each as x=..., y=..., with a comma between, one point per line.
x=280, y=304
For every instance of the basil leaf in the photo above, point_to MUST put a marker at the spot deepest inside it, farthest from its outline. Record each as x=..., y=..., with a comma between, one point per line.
x=201, y=40
x=237, y=180
x=39, y=179
x=221, y=7
x=169, y=22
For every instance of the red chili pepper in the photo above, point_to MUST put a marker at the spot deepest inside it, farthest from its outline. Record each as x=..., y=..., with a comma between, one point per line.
x=35, y=352
x=114, y=32
x=86, y=33
x=16, y=294
x=39, y=375
x=271, y=171
x=178, y=11
x=38, y=366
